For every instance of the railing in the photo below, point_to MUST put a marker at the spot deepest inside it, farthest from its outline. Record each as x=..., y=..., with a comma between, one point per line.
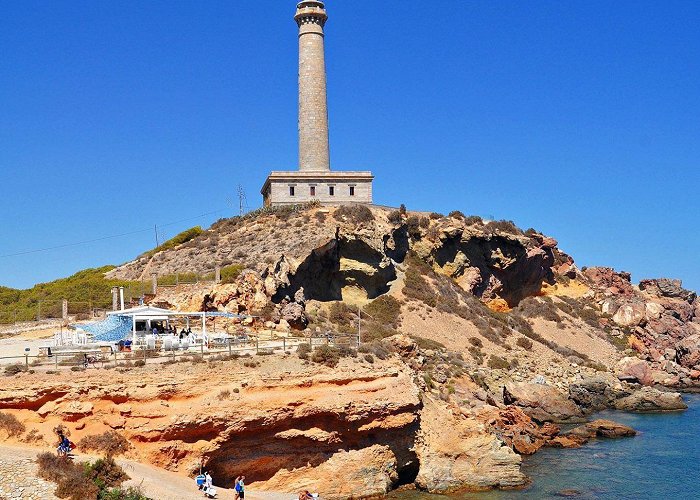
x=75, y=360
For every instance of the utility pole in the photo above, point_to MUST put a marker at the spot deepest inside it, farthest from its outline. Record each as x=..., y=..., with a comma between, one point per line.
x=241, y=201
x=155, y=229
x=359, y=326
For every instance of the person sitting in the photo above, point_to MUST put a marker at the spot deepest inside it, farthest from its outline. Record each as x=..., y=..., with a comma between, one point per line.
x=305, y=495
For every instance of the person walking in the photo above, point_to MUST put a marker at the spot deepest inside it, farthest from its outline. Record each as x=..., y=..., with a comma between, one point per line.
x=240, y=488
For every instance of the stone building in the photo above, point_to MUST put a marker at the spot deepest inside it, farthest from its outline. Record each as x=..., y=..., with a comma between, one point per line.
x=314, y=180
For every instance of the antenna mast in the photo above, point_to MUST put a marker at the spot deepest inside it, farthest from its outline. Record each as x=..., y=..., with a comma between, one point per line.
x=242, y=203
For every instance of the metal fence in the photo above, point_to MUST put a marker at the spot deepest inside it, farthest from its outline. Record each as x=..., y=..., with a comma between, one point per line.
x=78, y=360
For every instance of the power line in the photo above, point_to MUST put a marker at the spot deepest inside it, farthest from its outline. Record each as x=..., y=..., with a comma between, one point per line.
x=103, y=238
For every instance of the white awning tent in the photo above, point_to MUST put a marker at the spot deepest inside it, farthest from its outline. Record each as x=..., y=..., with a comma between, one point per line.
x=150, y=314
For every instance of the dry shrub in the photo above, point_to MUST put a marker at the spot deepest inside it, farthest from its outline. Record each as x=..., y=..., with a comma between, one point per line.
x=303, y=351
x=33, y=437
x=415, y=285
x=378, y=348
x=506, y=226
x=533, y=307
x=11, y=370
x=340, y=314
x=497, y=362
x=110, y=443
x=524, y=342
x=225, y=394
x=82, y=481
x=353, y=213
x=476, y=341
x=394, y=217
x=11, y=425
x=429, y=344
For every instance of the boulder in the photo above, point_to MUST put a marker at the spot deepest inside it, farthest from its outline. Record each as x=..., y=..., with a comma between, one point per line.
x=294, y=314
x=665, y=287
x=630, y=314
x=592, y=393
x=603, y=428
x=543, y=403
x=650, y=399
x=654, y=310
x=610, y=281
x=580, y=435
x=634, y=370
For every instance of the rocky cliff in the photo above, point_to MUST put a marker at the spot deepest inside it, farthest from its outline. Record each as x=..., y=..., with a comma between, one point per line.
x=478, y=341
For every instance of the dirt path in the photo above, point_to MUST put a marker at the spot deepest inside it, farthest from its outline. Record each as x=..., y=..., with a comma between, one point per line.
x=154, y=482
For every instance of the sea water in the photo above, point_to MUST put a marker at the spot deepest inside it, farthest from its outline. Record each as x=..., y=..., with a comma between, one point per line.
x=661, y=462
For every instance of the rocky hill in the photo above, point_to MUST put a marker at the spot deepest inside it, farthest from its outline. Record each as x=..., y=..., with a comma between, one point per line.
x=478, y=341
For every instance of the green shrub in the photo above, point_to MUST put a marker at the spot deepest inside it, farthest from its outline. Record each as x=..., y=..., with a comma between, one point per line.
x=369, y=358
x=326, y=354
x=385, y=309
x=105, y=473
x=177, y=240
x=415, y=285
x=230, y=273
x=497, y=362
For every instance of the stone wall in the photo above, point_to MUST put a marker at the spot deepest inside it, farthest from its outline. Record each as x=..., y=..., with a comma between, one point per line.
x=280, y=194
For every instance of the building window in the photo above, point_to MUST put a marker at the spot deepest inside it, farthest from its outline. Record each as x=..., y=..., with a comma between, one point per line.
x=352, y=190
x=331, y=190
x=291, y=190
x=312, y=190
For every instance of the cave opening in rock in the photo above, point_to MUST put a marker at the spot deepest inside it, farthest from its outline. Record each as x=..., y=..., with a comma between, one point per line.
x=340, y=266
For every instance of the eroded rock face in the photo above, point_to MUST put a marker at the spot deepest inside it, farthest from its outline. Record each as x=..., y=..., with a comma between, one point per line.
x=454, y=452
x=340, y=255
x=516, y=429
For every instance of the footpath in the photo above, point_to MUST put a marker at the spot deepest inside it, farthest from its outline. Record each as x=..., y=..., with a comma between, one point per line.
x=19, y=480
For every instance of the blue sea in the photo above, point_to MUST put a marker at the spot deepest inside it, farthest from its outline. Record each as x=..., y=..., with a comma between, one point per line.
x=662, y=461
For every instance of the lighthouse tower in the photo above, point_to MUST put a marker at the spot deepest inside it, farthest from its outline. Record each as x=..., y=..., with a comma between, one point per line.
x=314, y=180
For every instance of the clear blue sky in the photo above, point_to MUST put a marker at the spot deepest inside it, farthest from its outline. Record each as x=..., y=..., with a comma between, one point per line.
x=581, y=119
